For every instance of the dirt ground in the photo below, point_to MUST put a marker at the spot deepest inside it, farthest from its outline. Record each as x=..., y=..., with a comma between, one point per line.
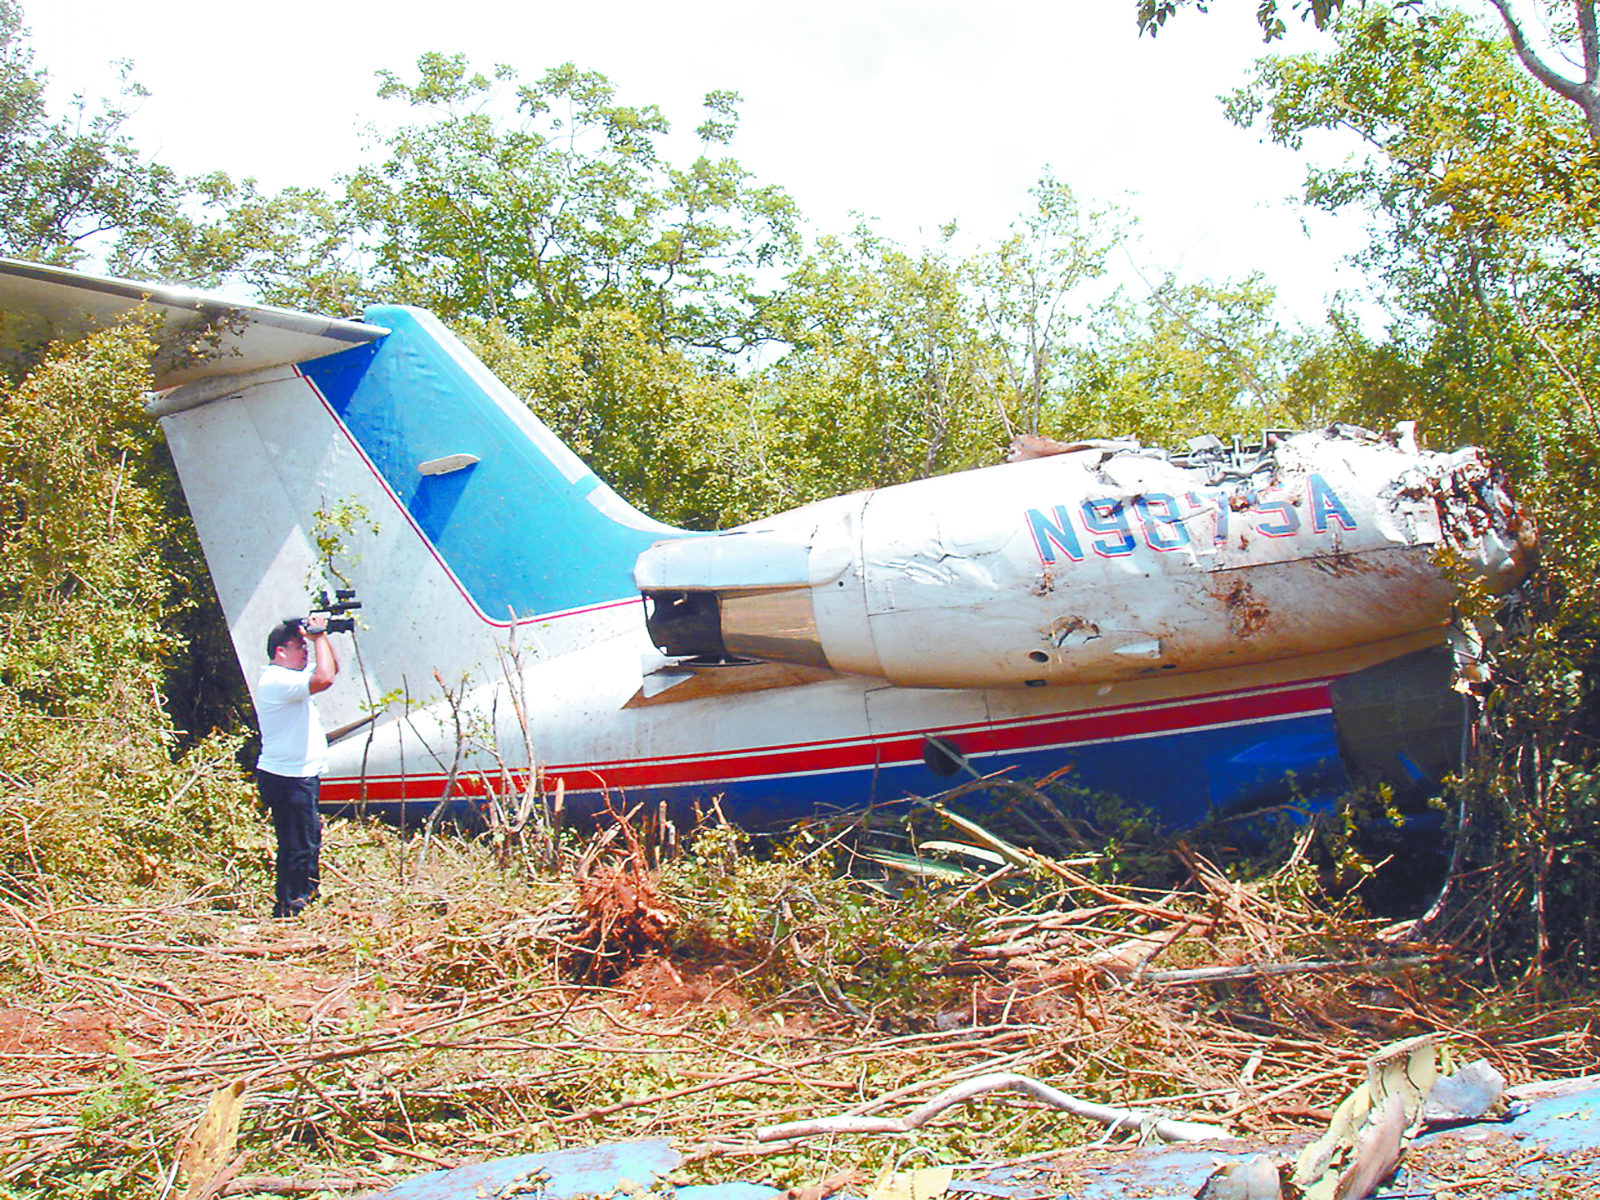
x=401, y=1026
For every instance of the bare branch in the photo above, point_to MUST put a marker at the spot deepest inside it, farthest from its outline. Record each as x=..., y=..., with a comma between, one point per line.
x=1117, y=1118
x=1585, y=94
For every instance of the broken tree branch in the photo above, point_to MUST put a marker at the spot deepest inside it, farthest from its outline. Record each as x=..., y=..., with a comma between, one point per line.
x=1117, y=1118
x=1261, y=970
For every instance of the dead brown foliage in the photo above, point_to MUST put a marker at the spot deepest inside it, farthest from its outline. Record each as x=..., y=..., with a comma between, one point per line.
x=625, y=916
x=415, y=1022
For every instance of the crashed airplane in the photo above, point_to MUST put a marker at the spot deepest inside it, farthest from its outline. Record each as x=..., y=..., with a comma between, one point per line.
x=1202, y=633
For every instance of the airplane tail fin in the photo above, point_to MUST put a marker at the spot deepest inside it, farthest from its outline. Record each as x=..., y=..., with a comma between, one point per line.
x=380, y=456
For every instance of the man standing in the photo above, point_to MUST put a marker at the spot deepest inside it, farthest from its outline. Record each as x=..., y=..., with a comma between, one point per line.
x=294, y=752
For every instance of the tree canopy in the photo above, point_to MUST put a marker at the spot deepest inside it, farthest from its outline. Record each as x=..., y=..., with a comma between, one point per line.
x=1560, y=31
x=1482, y=190
x=70, y=180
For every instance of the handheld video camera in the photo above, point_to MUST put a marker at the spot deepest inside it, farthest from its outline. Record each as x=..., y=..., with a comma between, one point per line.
x=344, y=602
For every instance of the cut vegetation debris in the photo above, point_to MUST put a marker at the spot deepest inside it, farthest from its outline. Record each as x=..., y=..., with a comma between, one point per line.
x=445, y=1009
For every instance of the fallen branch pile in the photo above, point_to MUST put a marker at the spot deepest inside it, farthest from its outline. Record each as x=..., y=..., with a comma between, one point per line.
x=404, y=1026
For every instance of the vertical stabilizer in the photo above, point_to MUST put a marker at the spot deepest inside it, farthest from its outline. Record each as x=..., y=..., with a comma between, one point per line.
x=404, y=469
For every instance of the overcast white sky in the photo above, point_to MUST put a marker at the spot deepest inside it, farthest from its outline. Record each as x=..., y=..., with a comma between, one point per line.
x=914, y=113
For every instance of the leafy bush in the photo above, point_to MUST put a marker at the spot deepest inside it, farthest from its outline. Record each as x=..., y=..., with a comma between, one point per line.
x=792, y=911
x=96, y=792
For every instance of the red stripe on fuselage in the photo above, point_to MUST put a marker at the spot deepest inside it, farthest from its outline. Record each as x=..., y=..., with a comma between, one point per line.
x=1045, y=732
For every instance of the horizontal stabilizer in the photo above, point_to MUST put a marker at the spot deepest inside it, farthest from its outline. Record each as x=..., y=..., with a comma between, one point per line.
x=201, y=337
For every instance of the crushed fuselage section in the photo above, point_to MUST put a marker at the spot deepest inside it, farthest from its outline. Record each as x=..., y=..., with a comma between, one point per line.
x=1103, y=562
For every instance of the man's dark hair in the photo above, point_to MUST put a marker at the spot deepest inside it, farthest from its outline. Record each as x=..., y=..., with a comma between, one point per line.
x=285, y=630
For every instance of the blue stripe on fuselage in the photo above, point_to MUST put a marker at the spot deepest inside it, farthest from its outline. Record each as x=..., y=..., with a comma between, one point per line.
x=1182, y=777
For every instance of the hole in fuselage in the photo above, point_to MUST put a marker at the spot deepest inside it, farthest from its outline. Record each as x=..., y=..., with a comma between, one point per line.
x=942, y=757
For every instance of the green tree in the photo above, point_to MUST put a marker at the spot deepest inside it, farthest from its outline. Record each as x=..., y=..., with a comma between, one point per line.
x=75, y=190
x=651, y=420
x=294, y=248
x=75, y=184
x=1183, y=361
x=96, y=790
x=1570, y=27
x=892, y=376
x=1031, y=292
x=1573, y=30
x=563, y=205
x=1485, y=197
x=1153, y=14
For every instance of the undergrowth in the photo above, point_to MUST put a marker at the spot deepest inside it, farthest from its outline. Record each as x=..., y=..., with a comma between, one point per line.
x=437, y=1006
x=98, y=791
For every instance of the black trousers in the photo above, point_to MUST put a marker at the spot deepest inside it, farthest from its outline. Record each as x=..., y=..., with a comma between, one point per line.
x=293, y=804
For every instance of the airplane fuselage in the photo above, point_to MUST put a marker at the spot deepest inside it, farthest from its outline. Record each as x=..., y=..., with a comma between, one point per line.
x=1199, y=632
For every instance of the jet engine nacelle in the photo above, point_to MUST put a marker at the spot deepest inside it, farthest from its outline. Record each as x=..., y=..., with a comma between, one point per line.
x=1106, y=562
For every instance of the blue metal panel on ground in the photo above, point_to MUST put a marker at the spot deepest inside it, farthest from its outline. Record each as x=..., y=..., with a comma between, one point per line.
x=1529, y=1148
x=594, y=1170
x=1560, y=1125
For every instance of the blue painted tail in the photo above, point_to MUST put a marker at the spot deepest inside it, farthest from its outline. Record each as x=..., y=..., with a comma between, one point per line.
x=525, y=527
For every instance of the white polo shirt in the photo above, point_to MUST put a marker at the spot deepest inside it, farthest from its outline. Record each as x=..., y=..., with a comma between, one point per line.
x=292, y=741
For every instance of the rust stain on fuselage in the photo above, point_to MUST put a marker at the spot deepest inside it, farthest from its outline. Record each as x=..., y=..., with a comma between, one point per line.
x=1341, y=566
x=1046, y=583
x=1247, y=615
